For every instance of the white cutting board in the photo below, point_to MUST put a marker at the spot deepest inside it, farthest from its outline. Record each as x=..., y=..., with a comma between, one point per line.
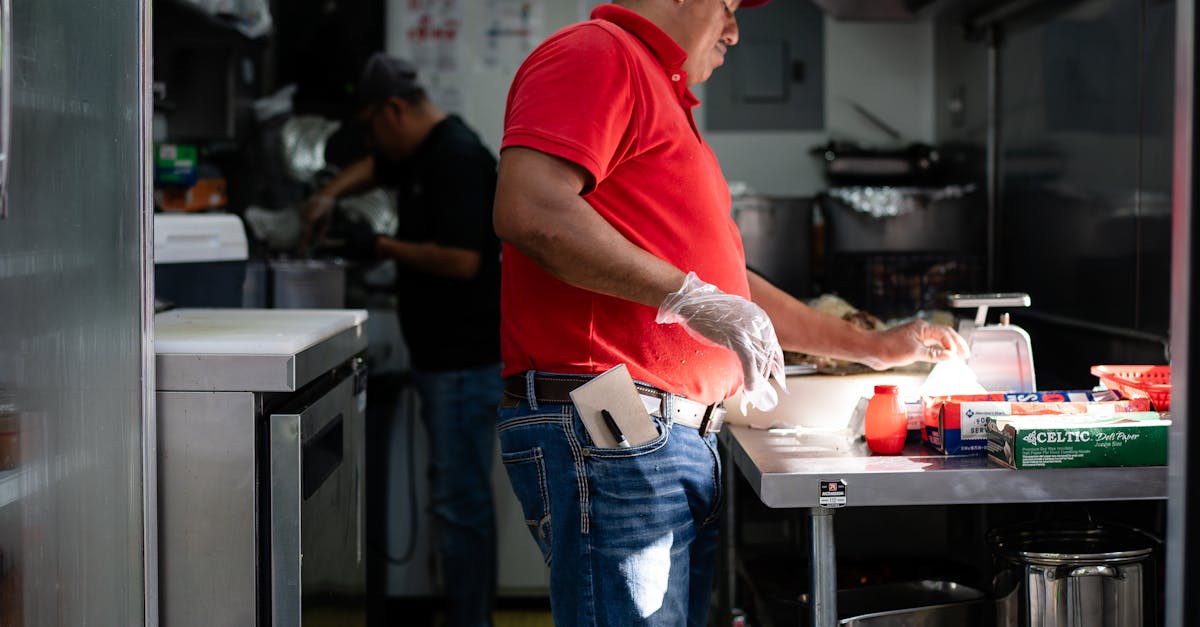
x=248, y=331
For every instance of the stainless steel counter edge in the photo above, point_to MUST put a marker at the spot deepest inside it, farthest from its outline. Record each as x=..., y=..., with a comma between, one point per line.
x=258, y=373
x=925, y=479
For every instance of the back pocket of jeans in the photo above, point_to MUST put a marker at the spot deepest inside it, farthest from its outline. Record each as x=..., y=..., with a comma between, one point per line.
x=527, y=474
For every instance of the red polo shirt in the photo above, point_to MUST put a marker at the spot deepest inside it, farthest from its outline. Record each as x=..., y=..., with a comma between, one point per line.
x=611, y=95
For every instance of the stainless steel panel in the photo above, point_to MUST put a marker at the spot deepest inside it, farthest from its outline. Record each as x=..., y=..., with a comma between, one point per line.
x=1181, y=579
x=1081, y=179
x=73, y=334
x=1085, y=182
x=6, y=85
x=207, y=508
x=258, y=373
x=316, y=488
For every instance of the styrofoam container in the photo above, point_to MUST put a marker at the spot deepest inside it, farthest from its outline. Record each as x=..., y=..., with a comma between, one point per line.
x=199, y=259
x=308, y=284
x=191, y=238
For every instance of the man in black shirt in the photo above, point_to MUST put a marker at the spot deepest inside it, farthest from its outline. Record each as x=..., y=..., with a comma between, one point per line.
x=448, y=292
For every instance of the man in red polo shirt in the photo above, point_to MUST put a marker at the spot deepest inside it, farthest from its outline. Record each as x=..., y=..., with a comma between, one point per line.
x=619, y=248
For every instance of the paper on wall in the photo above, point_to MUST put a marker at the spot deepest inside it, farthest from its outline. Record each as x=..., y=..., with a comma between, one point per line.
x=513, y=28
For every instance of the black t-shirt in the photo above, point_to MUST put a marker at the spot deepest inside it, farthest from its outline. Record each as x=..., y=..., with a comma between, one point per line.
x=444, y=195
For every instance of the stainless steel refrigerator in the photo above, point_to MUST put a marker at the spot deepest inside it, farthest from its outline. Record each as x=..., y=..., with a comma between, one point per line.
x=76, y=370
x=260, y=445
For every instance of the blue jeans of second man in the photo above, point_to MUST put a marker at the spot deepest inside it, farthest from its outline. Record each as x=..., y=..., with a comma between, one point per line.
x=630, y=534
x=459, y=411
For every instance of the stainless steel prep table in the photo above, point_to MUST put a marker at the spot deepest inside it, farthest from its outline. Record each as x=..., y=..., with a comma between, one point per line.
x=786, y=468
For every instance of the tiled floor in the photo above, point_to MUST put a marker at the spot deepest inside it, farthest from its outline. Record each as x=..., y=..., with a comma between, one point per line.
x=522, y=618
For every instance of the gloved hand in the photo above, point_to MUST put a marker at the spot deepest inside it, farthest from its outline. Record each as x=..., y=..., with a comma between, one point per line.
x=353, y=240
x=916, y=341
x=731, y=322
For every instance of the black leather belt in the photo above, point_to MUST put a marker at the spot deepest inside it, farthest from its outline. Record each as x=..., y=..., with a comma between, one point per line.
x=557, y=389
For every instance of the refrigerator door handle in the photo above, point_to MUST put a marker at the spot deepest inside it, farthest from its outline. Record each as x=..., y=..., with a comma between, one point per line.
x=6, y=89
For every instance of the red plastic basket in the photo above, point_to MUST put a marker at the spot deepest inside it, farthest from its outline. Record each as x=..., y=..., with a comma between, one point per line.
x=1153, y=382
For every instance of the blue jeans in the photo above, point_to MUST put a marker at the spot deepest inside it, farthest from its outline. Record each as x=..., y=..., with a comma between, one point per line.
x=630, y=534
x=459, y=411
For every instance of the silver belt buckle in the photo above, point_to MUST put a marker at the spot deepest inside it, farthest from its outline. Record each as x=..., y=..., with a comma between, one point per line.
x=705, y=418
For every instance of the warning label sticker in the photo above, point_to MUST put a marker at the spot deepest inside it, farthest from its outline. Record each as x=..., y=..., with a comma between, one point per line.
x=833, y=494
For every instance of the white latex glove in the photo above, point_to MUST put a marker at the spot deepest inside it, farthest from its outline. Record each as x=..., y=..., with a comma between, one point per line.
x=731, y=322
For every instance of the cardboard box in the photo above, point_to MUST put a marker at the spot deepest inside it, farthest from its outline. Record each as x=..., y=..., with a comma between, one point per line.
x=204, y=195
x=1131, y=439
x=960, y=426
x=175, y=164
x=933, y=435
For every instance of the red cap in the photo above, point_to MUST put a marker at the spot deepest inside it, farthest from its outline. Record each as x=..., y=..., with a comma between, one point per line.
x=886, y=389
x=750, y=4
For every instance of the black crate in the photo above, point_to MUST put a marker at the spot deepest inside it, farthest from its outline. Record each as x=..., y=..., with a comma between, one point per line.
x=897, y=285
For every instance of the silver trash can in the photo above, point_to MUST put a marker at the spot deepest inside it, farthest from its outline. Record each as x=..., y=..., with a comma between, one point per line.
x=777, y=234
x=1081, y=575
x=308, y=284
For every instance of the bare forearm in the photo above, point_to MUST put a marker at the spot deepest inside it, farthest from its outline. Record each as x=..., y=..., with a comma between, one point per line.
x=357, y=176
x=592, y=255
x=454, y=263
x=802, y=329
x=539, y=211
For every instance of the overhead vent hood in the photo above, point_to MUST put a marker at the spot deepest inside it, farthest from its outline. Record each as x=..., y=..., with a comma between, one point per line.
x=872, y=10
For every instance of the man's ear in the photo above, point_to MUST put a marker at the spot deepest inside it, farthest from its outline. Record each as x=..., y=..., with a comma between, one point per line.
x=398, y=105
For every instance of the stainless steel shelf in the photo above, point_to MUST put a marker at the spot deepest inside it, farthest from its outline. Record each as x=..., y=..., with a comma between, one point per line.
x=786, y=469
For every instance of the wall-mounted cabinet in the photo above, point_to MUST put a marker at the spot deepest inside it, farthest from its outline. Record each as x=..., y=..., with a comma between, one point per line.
x=774, y=78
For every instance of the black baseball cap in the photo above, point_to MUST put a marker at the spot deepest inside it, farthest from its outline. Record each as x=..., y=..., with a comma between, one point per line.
x=385, y=76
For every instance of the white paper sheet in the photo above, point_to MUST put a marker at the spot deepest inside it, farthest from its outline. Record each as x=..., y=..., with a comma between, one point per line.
x=951, y=377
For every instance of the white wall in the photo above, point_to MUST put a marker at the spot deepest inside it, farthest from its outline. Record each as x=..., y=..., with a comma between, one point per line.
x=886, y=67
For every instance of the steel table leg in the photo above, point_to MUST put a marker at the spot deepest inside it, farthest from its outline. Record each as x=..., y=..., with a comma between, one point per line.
x=822, y=569
x=730, y=534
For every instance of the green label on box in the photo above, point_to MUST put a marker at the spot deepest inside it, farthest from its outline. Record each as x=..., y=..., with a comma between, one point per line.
x=1134, y=439
x=176, y=155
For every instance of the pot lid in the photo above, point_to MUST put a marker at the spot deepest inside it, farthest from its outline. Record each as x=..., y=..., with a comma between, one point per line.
x=1053, y=544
